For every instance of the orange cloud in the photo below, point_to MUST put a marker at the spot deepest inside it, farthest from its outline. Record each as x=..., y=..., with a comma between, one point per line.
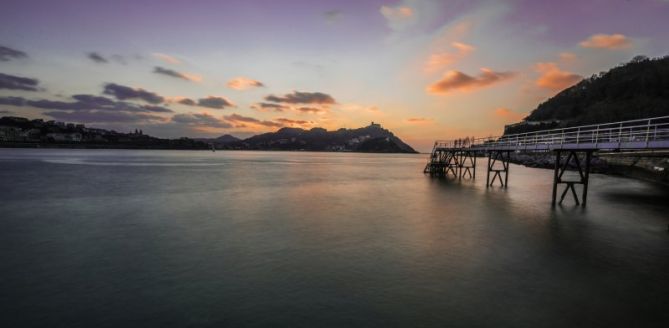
x=552, y=77
x=439, y=60
x=507, y=114
x=458, y=81
x=419, y=120
x=607, y=41
x=243, y=83
x=167, y=58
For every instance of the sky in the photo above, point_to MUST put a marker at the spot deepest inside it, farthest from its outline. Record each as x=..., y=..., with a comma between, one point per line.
x=424, y=69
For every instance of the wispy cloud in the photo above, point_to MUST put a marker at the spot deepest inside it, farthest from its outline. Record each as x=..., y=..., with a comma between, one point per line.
x=419, y=120
x=298, y=97
x=459, y=81
x=263, y=106
x=7, y=54
x=200, y=120
x=178, y=75
x=607, y=41
x=313, y=110
x=13, y=82
x=243, y=83
x=167, y=58
x=84, y=103
x=104, y=117
x=442, y=59
x=398, y=17
x=291, y=122
x=241, y=120
x=552, y=77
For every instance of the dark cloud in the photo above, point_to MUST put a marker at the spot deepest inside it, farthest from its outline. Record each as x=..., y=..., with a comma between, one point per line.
x=12, y=101
x=122, y=92
x=236, y=118
x=173, y=73
x=187, y=101
x=84, y=103
x=103, y=117
x=12, y=82
x=202, y=119
x=214, y=102
x=269, y=106
x=96, y=57
x=2, y=111
x=298, y=97
x=209, y=102
x=7, y=54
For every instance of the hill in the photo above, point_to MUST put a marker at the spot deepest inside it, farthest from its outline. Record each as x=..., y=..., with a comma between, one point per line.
x=637, y=89
x=22, y=132
x=372, y=138
x=221, y=141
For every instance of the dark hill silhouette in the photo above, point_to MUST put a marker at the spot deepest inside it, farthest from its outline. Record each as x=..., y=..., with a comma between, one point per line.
x=372, y=138
x=637, y=89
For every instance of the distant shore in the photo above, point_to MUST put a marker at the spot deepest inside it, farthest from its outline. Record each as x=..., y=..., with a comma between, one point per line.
x=32, y=145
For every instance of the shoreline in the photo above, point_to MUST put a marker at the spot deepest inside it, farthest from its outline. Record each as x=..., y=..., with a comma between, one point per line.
x=130, y=147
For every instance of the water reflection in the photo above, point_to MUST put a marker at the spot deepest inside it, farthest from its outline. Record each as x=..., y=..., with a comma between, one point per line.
x=302, y=239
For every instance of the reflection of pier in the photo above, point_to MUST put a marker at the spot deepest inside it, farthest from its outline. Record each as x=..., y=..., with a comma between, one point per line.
x=573, y=148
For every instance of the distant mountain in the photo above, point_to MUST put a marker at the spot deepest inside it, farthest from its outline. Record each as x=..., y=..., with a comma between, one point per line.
x=22, y=132
x=220, y=141
x=637, y=89
x=372, y=138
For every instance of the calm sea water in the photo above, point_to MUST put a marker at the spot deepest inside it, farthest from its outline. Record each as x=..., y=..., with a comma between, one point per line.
x=288, y=239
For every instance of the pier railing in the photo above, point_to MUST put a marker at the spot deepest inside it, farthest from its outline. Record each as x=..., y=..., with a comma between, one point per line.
x=651, y=133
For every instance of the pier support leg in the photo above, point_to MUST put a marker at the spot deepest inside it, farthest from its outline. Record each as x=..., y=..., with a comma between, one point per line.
x=467, y=164
x=572, y=159
x=487, y=179
x=555, y=175
x=498, y=156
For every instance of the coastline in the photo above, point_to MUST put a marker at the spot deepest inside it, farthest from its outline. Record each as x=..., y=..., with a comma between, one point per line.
x=28, y=145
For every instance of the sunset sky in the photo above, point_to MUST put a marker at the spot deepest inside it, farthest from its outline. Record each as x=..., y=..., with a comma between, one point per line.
x=424, y=69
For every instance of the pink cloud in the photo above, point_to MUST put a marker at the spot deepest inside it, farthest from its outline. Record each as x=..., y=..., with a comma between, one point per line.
x=552, y=77
x=607, y=41
x=167, y=58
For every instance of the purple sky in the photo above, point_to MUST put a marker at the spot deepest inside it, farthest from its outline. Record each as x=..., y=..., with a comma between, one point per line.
x=423, y=68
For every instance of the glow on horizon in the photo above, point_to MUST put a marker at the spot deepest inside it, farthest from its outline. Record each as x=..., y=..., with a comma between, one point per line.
x=425, y=69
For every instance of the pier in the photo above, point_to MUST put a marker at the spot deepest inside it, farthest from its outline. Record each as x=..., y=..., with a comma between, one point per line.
x=573, y=149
